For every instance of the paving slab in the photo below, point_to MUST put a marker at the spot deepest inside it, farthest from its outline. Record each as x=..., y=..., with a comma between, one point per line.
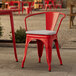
x=8, y=66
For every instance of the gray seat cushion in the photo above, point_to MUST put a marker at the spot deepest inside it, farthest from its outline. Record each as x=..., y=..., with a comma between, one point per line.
x=26, y=7
x=13, y=6
x=41, y=32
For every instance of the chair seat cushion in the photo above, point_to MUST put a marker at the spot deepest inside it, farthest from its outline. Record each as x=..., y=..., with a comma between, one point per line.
x=13, y=7
x=41, y=32
x=25, y=6
x=58, y=4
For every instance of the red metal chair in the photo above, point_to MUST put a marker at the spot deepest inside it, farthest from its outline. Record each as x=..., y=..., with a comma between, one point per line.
x=14, y=5
x=47, y=4
x=28, y=8
x=58, y=3
x=41, y=5
x=45, y=37
x=11, y=5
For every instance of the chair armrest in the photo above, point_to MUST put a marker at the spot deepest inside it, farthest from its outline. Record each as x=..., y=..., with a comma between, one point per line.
x=30, y=16
x=60, y=21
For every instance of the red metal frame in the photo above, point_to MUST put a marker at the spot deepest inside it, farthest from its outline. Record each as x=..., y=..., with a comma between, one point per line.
x=9, y=12
x=47, y=40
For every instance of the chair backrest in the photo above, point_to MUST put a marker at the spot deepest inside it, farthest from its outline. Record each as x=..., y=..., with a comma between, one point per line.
x=46, y=2
x=33, y=3
x=30, y=4
x=27, y=3
x=50, y=2
x=58, y=1
x=11, y=3
x=51, y=20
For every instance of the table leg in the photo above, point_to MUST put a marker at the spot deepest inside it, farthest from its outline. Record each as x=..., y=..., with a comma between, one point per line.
x=13, y=35
x=70, y=23
x=19, y=8
x=70, y=17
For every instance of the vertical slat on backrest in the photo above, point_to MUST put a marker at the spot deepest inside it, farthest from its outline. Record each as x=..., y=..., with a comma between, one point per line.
x=51, y=20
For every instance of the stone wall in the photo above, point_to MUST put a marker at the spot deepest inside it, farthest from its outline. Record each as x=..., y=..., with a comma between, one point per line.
x=70, y=1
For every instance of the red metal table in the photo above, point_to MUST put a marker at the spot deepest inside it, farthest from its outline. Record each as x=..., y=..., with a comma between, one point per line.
x=9, y=12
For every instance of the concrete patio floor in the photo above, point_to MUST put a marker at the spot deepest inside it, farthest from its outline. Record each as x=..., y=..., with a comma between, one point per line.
x=8, y=66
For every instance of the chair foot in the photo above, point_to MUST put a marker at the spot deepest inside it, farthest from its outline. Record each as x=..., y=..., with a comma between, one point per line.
x=16, y=60
x=22, y=66
x=39, y=60
x=49, y=68
x=61, y=64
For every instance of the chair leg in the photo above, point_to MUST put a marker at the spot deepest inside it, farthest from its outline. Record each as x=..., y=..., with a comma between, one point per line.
x=56, y=6
x=72, y=23
x=27, y=10
x=58, y=53
x=30, y=10
x=72, y=19
x=46, y=7
x=22, y=10
x=19, y=12
x=40, y=49
x=49, y=7
x=48, y=47
x=26, y=46
x=60, y=7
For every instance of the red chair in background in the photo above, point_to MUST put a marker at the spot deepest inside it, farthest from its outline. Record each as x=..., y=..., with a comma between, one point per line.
x=49, y=3
x=45, y=37
x=28, y=8
x=12, y=5
x=41, y=5
x=58, y=3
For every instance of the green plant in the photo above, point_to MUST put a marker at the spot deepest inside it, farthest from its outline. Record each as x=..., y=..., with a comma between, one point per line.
x=20, y=35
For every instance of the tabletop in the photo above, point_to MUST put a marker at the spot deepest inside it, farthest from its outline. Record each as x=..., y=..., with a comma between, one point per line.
x=8, y=10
